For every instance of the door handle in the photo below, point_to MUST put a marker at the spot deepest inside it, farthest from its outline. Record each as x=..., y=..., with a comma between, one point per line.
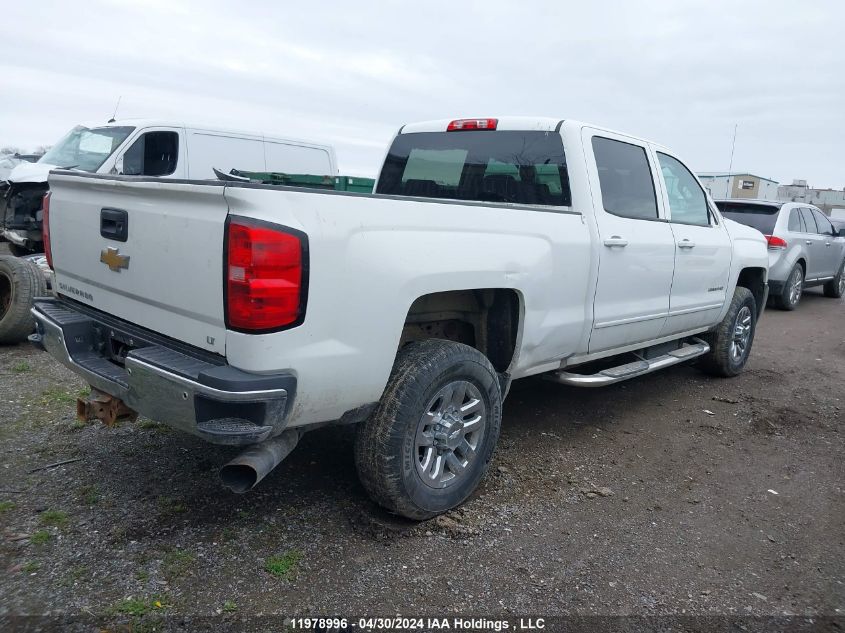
x=808, y=242
x=827, y=243
x=685, y=243
x=615, y=240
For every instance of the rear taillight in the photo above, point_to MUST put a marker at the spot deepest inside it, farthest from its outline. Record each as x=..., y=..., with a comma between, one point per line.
x=472, y=124
x=775, y=243
x=45, y=228
x=266, y=276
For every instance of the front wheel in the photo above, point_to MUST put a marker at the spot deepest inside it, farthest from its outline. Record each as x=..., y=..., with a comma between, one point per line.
x=835, y=288
x=730, y=343
x=428, y=444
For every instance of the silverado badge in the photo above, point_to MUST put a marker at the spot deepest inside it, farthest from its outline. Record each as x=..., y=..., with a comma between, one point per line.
x=112, y=258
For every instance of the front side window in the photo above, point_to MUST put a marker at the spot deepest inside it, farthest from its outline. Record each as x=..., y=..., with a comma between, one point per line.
x=153, y=154
x=627, y=187
x=86, y=148
x=484, y=165
x=687, y=202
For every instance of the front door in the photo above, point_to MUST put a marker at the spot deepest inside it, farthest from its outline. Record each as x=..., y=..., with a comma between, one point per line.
x=815, y=246
x=703, y=254
x=636, y=245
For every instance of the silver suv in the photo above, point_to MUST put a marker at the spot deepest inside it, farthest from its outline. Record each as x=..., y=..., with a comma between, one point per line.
x=804, y=247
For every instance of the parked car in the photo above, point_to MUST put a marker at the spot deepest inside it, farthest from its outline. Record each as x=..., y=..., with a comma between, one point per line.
x=805, y=249
x=148, y=147
x=492, y=250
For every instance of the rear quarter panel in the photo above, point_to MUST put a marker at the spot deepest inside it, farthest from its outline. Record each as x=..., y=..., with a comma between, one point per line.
x=372, y=256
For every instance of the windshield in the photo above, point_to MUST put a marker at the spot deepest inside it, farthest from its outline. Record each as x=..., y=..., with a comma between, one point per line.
x=496, y=166
x=86, y=148
x=757, y=216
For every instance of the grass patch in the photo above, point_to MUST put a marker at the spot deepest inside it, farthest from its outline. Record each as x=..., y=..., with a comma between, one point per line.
x=30, y=567
x=142, y=575
x=89, y=494
x=5, y=506
x=169, y=505
x=78, y=573
x=229, y=607
x=177, y=563
x=149, y=425
x=21, y=368
x=40, y=537
x=137, y=607
x=58, y=397
x=56, y=518
x=284, y=566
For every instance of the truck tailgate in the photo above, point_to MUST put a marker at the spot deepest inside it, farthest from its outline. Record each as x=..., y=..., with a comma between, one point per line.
x=165, y=274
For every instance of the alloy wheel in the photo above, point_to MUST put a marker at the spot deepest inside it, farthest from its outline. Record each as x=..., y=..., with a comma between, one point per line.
x=449, y=433
x=741, y=335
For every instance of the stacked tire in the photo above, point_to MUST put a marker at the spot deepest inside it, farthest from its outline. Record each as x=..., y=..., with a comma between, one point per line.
x=21, y=281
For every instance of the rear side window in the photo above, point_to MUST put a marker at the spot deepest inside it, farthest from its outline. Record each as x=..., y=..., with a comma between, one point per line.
x=153, y=154
x=484, y=165
x=687, y=202
x=757, y=216
x=809, y=221
x=795, y=222
x=627, y=187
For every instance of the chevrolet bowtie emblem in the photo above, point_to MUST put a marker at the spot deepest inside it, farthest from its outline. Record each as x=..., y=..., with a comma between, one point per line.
x=112, y=258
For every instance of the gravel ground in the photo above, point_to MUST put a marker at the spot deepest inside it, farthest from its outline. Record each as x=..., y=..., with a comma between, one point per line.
x=671, y=494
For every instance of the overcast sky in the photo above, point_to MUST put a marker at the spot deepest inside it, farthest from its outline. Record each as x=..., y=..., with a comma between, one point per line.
x=680, y=73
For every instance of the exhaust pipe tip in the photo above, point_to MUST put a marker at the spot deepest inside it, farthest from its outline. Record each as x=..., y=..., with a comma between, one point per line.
x=244, y=472
x=239, y=478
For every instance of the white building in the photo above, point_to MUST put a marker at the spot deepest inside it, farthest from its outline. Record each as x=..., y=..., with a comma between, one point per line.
x=722, y=185
x=824, y=199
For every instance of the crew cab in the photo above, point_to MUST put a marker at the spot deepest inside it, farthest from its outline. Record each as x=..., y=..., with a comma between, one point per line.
x=147, y=147
x=492, y=249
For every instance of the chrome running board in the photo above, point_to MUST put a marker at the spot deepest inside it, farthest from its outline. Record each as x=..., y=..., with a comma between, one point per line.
x=632, y=369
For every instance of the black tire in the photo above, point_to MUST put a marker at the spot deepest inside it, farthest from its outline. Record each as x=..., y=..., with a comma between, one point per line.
x=19, y=251
x=386, y=452
x=721, y=359
x=20, y=282
x=835, y=288
x=786, y=300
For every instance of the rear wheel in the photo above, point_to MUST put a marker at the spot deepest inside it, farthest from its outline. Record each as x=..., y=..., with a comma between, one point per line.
x=20, y=282
x=730, y=343
x=429, y=442
x=835, y=288
x=790, y=296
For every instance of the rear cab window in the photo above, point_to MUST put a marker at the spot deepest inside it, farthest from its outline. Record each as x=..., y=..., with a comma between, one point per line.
x=762, y=217
x=510, y=166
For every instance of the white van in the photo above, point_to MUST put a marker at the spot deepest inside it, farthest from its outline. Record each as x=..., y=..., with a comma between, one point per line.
x=146, y=147
x=149, y=147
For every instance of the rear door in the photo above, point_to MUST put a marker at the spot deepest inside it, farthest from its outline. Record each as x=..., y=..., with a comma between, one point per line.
x=636, y=245
x=831, y=253
x=147, y=251
x=814, y=242
x=703, y=254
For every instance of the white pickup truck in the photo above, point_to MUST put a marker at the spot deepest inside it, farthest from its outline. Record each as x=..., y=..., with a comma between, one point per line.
x=493, y=249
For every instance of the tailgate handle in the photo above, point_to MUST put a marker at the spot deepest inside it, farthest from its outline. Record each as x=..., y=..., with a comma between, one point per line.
x=114, y=224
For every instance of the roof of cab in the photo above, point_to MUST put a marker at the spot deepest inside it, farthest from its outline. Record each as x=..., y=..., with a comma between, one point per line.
x=520, y=123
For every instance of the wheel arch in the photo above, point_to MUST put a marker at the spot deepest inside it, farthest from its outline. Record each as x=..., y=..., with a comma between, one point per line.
x=754, y=278
x=488, y=319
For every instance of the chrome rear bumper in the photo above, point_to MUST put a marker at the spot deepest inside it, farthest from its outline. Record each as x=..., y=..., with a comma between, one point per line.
x=215, y=401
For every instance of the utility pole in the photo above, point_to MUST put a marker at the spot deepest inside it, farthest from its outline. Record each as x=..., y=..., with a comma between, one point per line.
x=731, y=165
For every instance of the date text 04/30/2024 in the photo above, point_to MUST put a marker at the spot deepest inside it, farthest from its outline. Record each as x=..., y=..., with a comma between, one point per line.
x=418, y=624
